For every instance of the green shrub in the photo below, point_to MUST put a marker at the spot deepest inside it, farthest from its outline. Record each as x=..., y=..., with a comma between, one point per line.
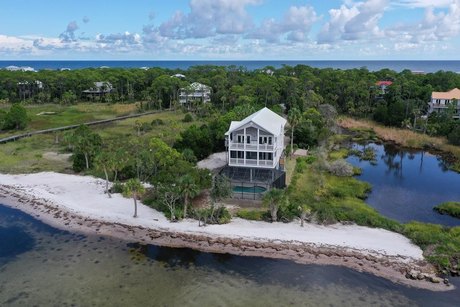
x=188, y=118
x=252, y=215
x=451, y=208
x=157, y=122
x=117, y=187
x=213, y=215
x=78, y=162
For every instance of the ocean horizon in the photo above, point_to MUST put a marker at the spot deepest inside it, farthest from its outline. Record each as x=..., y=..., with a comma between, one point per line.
x=425, y=66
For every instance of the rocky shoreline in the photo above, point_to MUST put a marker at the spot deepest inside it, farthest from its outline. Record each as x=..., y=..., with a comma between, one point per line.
x=399, y=269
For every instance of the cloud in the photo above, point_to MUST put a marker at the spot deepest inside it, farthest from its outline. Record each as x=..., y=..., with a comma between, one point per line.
x=208, y=18
x=69, y=34
x=85, y=19
x=422, y=3
x=433, y=27
x=12, y=44
x=295, y=26
x=119, y=39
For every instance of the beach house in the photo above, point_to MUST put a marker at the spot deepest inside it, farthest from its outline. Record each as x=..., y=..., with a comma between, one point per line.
x=100, y=89
x=195, y=93
x=382, y=87
x=255, y=147
x=440, y=102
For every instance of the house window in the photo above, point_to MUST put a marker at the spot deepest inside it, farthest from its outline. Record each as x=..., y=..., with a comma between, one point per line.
x=248, y=139
x=269, y=140
x=251, y=155
x=231, y=136
x=233, y=154
x=240, y=138
x=265, y=140
x=240, y=154
x=265, y=156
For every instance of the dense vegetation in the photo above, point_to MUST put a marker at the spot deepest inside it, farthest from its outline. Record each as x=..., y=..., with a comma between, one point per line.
x=451, y=208
x=351, y=92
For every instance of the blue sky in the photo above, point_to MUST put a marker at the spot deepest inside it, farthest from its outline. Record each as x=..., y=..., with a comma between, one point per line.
x=230, y=29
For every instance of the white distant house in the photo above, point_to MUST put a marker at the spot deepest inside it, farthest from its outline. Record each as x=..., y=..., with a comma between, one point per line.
x=256, y=141
x=100, y=89
x=195, y=93
x=440, y=102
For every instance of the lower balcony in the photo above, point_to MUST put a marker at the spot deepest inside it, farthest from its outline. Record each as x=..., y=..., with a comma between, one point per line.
x=251, y=163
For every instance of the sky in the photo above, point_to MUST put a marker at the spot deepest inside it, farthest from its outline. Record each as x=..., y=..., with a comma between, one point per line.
x=230, y=30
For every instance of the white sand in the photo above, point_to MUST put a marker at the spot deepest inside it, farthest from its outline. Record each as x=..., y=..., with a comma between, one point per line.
x=85, y=196
x=214, y=161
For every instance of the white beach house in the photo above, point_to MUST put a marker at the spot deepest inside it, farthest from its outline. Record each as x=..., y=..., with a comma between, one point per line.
x=256, y=141
x=440, y=102
x=195, y=93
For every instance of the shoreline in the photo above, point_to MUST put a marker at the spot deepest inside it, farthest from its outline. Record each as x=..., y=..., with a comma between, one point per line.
x=388, y=264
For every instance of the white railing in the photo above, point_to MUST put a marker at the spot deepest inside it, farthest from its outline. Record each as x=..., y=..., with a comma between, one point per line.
x=251, y=146
x=250, y=162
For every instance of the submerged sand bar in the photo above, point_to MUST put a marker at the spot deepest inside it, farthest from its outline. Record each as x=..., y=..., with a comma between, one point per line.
x=78, y=203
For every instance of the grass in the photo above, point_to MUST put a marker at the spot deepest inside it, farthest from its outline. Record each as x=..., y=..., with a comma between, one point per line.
x=252, y=215
x=342, y=200
x=70, y=115
x=403, y=137
x=26, y=155
x=451, y=208
x=341, y=153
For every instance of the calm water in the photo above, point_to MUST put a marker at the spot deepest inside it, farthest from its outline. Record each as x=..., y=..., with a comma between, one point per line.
x=425, y=66
x=406, y=185
x=42, y=266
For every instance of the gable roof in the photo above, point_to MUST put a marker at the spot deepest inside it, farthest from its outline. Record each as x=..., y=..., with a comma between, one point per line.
x=386, y=83
x=264, y=118
x=452, y=94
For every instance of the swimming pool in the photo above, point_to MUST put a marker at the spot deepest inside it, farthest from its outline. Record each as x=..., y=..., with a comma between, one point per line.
x=242, y=189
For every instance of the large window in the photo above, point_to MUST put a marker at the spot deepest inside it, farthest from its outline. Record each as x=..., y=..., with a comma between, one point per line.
x=265, y=156
x=251, y=155
x=265, y=140
x=237, y=154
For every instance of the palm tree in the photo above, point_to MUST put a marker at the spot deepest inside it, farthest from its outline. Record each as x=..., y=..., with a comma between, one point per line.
x=294, y=118
x=105, y=161
x=134, y=188
x=188, y=190
x=273, y=199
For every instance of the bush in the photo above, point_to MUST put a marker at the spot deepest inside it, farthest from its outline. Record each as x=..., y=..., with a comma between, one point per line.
x=188, y=118
x=117, y=187
x=78, y=162
x=16, y=118
x=157, y=122
x=454, y=136
x=451, y=208
x=341, y=168
x=252, y=215
x=213, y=215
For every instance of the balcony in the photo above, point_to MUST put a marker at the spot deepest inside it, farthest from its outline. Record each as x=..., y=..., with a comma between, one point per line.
x=251, y=162
x=251, y=146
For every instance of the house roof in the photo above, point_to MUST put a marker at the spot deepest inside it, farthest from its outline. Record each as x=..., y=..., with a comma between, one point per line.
x=386, y=83
x=452, y=94
x=264, y=118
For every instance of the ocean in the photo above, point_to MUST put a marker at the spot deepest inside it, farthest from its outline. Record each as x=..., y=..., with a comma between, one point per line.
x=419, y=66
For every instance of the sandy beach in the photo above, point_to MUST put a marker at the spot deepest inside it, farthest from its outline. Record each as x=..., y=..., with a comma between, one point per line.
x=78, y=203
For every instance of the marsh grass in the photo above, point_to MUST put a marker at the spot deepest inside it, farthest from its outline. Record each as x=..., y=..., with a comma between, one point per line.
x=451, y=208
x=403, y=137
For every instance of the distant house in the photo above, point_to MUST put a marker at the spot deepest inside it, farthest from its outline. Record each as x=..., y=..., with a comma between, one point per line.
x=195, y=93
x=255, y=147
x=28, y=89
x=382, y=87
x=100, y=89
x=180, y=76
x=440, y=102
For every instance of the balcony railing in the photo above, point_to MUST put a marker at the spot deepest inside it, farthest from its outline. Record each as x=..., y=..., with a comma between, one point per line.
x=250, y=162
x=251, y=146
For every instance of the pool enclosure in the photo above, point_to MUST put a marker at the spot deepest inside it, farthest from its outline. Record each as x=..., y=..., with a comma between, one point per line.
x=252, y=183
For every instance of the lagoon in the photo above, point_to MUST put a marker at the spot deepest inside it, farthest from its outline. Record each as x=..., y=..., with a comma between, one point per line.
x=407, y=184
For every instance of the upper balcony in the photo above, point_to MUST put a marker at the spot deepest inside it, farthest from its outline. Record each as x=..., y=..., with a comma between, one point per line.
x=251, y=146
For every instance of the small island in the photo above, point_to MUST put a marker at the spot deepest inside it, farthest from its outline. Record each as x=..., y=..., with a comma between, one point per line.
x=451, y=208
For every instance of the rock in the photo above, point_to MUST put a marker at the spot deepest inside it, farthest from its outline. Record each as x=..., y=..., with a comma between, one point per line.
x=412, y=274
x=435, y=279
x=446, y=282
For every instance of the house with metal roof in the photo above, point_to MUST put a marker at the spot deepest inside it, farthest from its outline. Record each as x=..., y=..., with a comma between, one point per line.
x=255, y=146
x=195, y=93
x=440, y=102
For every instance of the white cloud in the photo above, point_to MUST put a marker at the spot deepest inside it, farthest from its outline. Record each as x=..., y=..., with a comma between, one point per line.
x=295, y=26
x=355, y=21
x=422, y=3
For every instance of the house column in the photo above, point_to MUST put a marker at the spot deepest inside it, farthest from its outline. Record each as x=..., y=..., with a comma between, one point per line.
x=250, y=174
x=258, y=146
x=244, y=145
